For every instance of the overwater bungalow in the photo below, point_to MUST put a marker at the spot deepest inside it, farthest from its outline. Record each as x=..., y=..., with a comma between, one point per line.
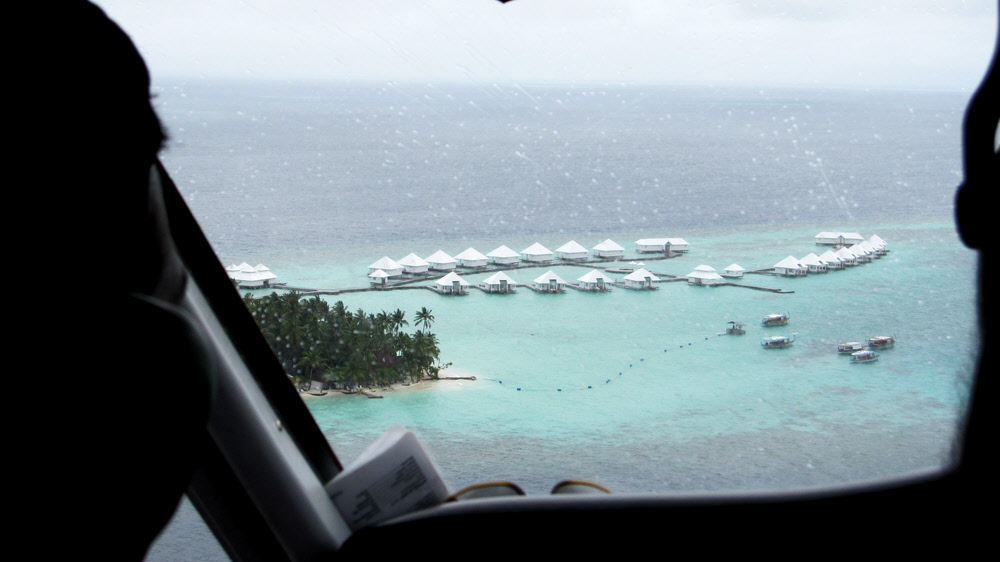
x=441, y=261
x=388, y=265
x=704, y=275
x=814, y=264
x=870, y=250
x=452, y=284
x=378, y=278
x=536, y=253
x=881, y=247
x=503, y=256
x=790, y=267
x=471, y=258
x=548, y=282
x=595, y=280
x=572, y=251
x=640, y=279
x=862, y=254
x=733, y=271
x=608, y=249
x=838, y=238
x=847, y=257
x=499, y=282
x=662, y=245
x=832, y=260
x=413, y=263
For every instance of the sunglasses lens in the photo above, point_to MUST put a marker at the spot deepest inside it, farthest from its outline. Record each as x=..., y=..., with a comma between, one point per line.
x=579, y=487
x=487, y=490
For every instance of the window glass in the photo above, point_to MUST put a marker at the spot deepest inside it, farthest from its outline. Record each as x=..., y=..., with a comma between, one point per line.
x=317, y=138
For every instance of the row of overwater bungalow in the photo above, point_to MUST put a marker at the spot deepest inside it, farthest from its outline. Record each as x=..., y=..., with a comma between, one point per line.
x=386, y=267
x=859, y=252
x=549, y=282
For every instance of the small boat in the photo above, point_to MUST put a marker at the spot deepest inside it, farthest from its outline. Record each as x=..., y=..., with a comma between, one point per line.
x=736, y=328
x=850, y=347
x=864, y=356
x=774, y=320
x=777, y=341
x=881, y=341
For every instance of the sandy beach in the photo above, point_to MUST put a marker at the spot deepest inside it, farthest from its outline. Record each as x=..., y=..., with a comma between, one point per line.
x=447, y=376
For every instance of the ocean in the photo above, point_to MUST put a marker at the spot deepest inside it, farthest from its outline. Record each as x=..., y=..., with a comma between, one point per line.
x=635, y=390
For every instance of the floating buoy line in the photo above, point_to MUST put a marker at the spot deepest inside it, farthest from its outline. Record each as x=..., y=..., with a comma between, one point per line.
x=519, y=387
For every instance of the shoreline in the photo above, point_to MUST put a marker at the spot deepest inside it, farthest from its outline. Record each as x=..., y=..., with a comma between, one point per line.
x=449, y=374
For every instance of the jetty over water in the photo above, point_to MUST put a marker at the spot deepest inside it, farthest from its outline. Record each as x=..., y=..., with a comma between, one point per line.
x=428, y=280
x=440, y=272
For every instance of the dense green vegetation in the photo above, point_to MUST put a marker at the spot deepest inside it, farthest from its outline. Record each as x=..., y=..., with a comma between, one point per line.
x=318, y=342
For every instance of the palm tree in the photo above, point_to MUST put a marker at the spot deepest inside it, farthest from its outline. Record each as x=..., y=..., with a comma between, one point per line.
x=398, y=319
x=423, y=317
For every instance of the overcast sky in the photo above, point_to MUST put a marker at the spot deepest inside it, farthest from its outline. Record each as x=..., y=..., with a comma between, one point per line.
x=944, y=44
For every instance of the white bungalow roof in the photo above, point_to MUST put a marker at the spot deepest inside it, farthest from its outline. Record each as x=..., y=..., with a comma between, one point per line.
x=503, y=252
x=704, y=274
x=537, y=249
x=877, y=241
x=571, y=247
x=789, y=263
x=640, y=275
x=830, y=256
x=244, y=272
x=608, y=245
x=705, y=268
x=470, y=254
x=593, y=276
x=440, y=257
x=497, y=277
x=660, y=241
x=811, y=259
x=548, y=276
x=846, y=235
x=413, y=260
x=734, y=267
x=859, y=250
x=845, y=253
x=450, y=280
x=385, y=263
x=378, y=274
